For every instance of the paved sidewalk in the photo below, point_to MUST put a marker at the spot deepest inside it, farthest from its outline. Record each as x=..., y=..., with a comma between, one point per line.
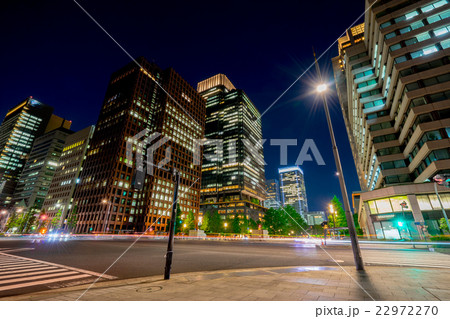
x=281, y=283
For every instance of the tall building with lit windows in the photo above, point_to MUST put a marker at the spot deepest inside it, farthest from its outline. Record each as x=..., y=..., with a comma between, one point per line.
x=112, y=195
x=393, y=81
x=40, y=168
x=60, y=193
x=293, y=190
x=22, y=124
x=273, y=198
x=233, y=166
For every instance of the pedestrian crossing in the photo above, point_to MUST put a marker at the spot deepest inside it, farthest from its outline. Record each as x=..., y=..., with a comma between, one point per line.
x=407, y=258
x=18, y=272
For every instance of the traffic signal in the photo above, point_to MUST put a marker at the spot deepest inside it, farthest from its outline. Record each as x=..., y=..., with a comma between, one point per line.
x=442, y=179
x=324, y=223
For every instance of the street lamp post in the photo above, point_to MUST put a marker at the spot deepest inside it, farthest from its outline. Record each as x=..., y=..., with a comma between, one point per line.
x=348, y=214
x=106, y=221
x=173, y=217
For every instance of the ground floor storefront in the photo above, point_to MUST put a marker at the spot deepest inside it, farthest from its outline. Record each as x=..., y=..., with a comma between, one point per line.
x=410, y=211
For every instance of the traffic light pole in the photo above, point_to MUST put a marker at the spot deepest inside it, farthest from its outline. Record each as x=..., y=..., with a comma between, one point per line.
x=348, y=214
x=173, y=217
x=442, y=206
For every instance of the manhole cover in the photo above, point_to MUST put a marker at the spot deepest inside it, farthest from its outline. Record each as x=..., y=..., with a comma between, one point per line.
x=149, y=289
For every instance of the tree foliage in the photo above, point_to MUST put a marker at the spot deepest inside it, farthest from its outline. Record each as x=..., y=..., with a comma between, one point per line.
x=189, y=222
x=205, y=222
x=443, y=225
x=284, y=221
x=72, y=219
x=216, y=223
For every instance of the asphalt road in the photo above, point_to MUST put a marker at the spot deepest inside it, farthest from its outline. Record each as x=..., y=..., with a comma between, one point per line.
x=19, y=275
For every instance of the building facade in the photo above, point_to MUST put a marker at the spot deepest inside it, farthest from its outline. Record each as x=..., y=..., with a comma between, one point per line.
x=61, y=191
x=22, y=124
x=273, y=197
x=39, y=170
x=315, y=218
x=233, y=166
x=115, y=196
x=393, y=81
x=293, y=190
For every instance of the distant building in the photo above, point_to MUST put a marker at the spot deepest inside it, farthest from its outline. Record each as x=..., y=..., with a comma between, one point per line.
x=273, y=199
x=60, y=194
x=40, y=168
x=293, y=191
x=392, y=77
x=315, y=218
x=232, y=179
x=22, y=124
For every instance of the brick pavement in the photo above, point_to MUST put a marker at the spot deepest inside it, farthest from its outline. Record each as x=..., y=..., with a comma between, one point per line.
x=281, y=283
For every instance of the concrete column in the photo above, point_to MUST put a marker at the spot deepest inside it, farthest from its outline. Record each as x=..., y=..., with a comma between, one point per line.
x=369, y=223
x=417, y=213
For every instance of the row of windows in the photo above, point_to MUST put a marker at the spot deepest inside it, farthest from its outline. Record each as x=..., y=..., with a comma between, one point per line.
x=408, y=15
x=427, y=82
x=422, y=52
x=419, y=38
x=425, y=66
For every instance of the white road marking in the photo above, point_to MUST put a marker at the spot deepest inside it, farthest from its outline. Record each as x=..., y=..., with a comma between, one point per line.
x=92, y=273
x=41, y=282
x=22, y=267
x=34, y=273
x=28, y=269
x=8, y=281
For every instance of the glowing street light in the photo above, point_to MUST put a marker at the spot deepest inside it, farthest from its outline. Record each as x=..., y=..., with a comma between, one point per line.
x=321, y=88
x=226, y=224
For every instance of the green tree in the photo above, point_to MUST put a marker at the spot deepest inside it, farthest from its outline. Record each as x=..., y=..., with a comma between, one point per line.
x=443, y=225
x=244, y=229
x=178, y=221
x=215, y=223
x=236, y=225
x=190, y=221
x=72, y=219
x=12, y=222
x=341, y=220
x=275, y=221
x=205, y=222
x=295, y=222
x=252, y=224
x=56, y=221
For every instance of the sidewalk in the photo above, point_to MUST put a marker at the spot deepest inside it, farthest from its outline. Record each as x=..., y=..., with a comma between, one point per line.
x=281, y=283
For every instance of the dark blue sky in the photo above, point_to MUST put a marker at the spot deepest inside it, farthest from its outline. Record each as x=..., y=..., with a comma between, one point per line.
x=52, y=51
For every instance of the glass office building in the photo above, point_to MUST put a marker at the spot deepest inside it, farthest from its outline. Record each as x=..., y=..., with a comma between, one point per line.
x=233, y=167
x=393, y=81
x=293, y=190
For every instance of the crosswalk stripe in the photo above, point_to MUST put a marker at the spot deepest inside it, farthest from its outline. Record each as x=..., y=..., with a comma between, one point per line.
x=42, y=282
x=28, y=269
x=6, y=264
x=8, y=281
x=34, y=273
x=92, y=273
x=23, y=267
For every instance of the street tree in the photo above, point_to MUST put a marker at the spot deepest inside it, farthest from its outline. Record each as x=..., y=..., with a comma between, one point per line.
x=236, y=225
x=205, y=222
x=190, y=221
x=215, y=223
x=443, y=225
x=72, y=219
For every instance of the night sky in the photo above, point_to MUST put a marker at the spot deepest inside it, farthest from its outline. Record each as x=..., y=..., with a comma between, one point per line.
x=53, y=51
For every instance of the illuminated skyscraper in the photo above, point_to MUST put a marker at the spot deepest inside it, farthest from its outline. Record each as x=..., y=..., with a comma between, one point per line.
x=293, y=191
x=40, y=168
x=273, y=198
x=22, y=124
x=393, y=81
x=60, y=194
x=111, y=196
x=232, y=173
